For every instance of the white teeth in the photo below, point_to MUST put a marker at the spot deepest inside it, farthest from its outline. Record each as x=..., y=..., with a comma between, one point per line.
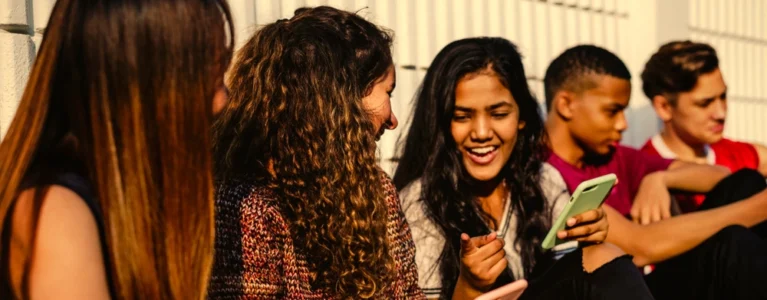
x=483, y=150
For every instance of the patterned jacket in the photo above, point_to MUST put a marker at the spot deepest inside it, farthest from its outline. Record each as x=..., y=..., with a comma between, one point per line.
x=256, y=257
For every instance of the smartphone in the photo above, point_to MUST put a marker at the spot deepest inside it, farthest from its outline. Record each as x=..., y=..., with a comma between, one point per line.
x=511, y=291
x=589, y=195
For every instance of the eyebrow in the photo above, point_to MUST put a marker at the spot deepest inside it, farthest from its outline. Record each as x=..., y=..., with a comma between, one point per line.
x=488, y=108
x=616, y=105
x=711, y=97
x=499, y=105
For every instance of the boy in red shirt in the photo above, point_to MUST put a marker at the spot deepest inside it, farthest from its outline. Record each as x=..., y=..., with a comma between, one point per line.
x=689, y=94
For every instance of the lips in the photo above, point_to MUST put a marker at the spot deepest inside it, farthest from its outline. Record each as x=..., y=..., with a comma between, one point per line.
x=482, y=155
x=718, y=128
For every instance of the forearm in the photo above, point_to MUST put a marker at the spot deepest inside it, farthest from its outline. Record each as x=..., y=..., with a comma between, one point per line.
x=692, y=177
x=668, y=238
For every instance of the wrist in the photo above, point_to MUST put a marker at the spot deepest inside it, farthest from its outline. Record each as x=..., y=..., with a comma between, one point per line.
x=661, y=177
x=465, y=290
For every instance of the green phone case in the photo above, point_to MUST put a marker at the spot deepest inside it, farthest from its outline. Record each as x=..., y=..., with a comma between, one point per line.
x=589, y=195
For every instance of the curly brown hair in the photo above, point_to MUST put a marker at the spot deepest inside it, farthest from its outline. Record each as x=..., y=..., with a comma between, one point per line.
x=295, y=122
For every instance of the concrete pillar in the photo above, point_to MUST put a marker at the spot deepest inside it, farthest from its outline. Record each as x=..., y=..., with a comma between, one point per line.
x=652, y=23
x=16, y=54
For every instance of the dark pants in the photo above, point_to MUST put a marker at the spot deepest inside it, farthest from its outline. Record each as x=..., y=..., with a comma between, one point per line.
x=566, y=279
x=738, y=186
x=732, y=264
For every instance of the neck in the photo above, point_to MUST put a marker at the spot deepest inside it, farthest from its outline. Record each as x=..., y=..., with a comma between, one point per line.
x=682, y=149
x=562, y=143
x=492, y=197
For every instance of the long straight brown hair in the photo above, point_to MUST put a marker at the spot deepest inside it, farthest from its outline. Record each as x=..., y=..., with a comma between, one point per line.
x=127, y=86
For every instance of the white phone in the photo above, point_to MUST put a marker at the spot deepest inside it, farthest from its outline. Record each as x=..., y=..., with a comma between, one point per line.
x=511, y=291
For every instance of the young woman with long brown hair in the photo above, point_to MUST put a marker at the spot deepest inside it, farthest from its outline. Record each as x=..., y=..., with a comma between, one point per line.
x=303, y=210
x=106, y=171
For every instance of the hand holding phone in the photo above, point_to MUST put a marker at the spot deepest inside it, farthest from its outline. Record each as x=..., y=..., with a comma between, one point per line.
x=511, y=291
x=590, y=227
x=589, y=196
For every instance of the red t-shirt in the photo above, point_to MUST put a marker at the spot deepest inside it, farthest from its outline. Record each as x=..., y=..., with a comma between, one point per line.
x=730, y=154
x=628, y=164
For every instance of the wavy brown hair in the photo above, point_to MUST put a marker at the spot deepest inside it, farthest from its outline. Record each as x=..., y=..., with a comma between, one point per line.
x=295, y=122
x=675, y=69
x=117, y=90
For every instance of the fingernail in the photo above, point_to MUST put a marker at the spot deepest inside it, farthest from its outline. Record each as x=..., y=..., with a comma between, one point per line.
x=570, y=222
x=562, y=234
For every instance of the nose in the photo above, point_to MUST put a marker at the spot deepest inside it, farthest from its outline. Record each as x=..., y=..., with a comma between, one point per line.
x=620, y=123
x=480, y=130
x=392, y=123
x=720, y=110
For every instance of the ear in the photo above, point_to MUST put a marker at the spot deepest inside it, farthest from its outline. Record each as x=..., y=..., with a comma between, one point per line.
x=562, y=104
x=521, y=125
x=662, y=107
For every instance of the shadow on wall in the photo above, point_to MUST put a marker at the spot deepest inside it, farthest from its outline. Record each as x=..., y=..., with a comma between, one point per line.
x=643, y=124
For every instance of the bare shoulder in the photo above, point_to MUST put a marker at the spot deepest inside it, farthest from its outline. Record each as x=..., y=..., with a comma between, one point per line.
x=67, y=228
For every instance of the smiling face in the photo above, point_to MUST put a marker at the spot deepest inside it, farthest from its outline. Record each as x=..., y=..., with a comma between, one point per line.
x=485, y=124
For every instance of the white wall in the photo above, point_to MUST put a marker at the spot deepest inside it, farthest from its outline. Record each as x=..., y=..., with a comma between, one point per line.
x=542, y=29
x=21, y=25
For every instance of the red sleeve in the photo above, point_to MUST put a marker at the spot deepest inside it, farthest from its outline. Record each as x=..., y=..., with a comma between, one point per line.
x=735, y=155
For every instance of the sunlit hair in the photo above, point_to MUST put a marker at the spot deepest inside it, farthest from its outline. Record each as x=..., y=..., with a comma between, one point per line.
x=675, y=69
x=122, y=92
x=295, y=109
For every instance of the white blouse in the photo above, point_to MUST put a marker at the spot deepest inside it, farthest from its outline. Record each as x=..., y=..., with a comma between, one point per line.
x=429, y=240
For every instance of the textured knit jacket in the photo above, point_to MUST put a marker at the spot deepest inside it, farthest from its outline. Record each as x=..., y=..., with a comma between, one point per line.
x=256, y=257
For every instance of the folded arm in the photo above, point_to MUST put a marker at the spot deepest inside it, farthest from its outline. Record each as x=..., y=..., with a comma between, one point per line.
x=692, y=177
x=665, y=239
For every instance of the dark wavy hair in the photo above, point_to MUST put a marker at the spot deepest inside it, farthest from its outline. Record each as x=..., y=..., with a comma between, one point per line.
x=295, y=108
x=675, y=68
x=431, y=155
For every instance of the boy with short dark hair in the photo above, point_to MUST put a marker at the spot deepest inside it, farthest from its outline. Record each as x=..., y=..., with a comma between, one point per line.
x=688, y=92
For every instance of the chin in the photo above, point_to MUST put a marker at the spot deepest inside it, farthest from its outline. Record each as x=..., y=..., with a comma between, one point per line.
x=713, y=138
x=483, y=174
x=603, y=150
